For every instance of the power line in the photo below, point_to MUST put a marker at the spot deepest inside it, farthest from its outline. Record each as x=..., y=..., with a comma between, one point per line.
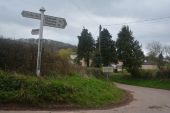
x=141, y=21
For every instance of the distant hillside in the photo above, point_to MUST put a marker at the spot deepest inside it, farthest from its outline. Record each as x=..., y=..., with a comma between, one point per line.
x=49, y=44
x=21, y=55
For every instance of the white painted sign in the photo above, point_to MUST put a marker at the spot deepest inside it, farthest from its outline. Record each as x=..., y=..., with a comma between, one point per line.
x=54, y=22
x=50, y=21
x=35, y=31
x=29, y=14
x=107, y=69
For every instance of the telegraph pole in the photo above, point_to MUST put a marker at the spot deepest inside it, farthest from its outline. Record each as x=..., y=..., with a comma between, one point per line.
x=42, y=10
x=100, y=29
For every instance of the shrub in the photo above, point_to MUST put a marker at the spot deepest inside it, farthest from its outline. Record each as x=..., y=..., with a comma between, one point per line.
x=31, y=90
x=74, y=90
x=97, y=72
x=163, y=73
x=147, y=73
x=21, y=57
x=9, y=83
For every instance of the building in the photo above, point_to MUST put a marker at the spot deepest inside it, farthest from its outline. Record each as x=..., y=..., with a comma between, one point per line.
x=82, y=61
x=149, y=66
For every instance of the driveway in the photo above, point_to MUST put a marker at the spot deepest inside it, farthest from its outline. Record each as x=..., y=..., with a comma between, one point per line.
x=146, y=100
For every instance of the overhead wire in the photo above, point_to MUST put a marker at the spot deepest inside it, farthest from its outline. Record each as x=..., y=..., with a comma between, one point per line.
x=153, y=20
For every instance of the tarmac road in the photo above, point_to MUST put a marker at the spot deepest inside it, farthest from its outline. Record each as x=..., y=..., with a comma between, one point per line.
x=146, y=100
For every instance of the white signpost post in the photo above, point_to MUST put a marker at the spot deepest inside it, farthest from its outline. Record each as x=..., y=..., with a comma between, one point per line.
x=45, y=20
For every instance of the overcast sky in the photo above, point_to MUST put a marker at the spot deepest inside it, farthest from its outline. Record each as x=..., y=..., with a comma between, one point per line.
x=89, y=13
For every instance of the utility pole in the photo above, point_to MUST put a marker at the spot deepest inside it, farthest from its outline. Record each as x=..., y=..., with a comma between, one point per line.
x=100, y=29
x=42, y=10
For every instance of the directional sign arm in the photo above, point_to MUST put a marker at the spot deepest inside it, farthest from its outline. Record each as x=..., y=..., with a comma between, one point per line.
x=50, y=21
x=35, y=31
x=29, y=14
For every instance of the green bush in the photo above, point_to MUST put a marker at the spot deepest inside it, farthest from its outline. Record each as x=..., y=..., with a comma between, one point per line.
x=163, y=73
x=145, y=82
x=75, y=90
x=24, y=90
x=97, y=72
x=9, y=83
x=147, y=73
x=21, y=57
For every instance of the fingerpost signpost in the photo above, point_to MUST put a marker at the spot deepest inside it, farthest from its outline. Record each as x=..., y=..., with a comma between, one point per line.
x=45, y=20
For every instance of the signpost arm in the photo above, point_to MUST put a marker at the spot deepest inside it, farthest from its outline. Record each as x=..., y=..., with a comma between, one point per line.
x=42, y=10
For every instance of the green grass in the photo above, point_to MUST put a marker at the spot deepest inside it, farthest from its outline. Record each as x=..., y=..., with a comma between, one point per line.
x=74, y=90
x=167, y=65
x=152, y=82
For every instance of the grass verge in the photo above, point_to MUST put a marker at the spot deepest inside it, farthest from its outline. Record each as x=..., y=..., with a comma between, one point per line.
x=69, y=90
x=152, y=82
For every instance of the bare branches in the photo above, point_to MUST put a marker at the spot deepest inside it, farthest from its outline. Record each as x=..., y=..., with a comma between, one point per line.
x=154, y=48
x=166, y=50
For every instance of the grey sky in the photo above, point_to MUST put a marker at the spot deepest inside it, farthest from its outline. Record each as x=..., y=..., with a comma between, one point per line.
x=88, y=13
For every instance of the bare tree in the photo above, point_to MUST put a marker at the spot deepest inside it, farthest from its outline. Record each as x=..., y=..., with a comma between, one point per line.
x=154, y=48
x=166, y=50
